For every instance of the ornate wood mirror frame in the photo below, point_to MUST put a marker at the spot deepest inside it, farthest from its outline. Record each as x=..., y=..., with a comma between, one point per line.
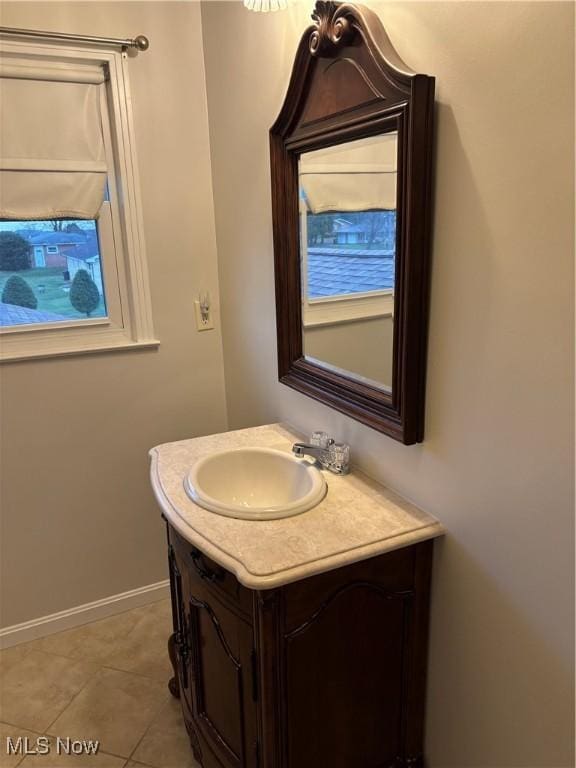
x=348, y=83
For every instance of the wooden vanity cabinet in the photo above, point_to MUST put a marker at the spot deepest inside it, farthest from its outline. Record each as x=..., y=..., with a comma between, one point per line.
x=326, y=672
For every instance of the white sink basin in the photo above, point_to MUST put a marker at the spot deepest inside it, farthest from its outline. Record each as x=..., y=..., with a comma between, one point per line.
x=255, y=484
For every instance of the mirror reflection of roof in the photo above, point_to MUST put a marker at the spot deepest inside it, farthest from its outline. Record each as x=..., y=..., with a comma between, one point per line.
x=332, y=272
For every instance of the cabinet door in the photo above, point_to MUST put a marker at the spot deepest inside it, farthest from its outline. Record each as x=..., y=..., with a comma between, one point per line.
x=343, y=662
x=343, y=678
x=222, y=682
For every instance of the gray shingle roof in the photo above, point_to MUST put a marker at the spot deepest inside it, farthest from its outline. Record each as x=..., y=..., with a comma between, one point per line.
x=333, y=271
x=12, y=314
x=85, y=251
x=55, y=238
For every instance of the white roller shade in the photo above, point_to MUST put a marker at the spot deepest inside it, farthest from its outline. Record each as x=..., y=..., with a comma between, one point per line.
x=355, y=176
x=349, y=191
x=52, y=156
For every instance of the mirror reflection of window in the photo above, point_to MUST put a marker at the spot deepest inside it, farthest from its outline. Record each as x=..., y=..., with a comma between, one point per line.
x=350, y=253
x=348, y=247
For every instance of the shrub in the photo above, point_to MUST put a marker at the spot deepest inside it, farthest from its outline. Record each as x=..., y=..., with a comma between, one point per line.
x=17, y=291
x=14, y=252
x=84, y=294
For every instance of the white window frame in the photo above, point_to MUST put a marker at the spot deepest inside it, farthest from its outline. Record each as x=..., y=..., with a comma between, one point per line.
x=343, y=308
x=128, y=324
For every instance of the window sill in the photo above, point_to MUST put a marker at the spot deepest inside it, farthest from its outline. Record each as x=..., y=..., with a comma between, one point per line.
x=348, y=309
x=37, y=349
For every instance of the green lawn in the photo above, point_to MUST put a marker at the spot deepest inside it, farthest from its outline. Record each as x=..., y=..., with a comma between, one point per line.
x=53, y=298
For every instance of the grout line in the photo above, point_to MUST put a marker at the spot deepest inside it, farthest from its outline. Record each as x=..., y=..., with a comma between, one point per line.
x=74, y=697
x=44, y=732
x=137, y=674
x=113, y=754
x=122, y=757
x=99, y=663
x=98, y=667
x=22, y=727
x=4, y=672
x=150, y=724
x=62, y=656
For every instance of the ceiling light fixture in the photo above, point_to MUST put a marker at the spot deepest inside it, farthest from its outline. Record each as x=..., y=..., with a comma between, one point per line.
x=265, y=5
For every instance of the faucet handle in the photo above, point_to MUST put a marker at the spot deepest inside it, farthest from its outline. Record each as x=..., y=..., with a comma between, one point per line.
x=321, y=439
x=340, y=457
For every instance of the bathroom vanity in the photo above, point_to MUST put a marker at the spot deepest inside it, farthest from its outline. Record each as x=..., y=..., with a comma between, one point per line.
x=298, y=642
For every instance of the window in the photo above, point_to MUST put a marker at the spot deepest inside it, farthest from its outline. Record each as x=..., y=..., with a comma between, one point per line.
x=73, y=274
x=50, y=272
x=348, y=265
x=348, y=200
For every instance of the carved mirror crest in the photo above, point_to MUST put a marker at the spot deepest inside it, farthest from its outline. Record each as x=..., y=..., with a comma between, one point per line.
x=351, y=174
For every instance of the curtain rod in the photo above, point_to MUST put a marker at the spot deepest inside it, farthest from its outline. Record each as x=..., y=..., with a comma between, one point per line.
x=139, y=43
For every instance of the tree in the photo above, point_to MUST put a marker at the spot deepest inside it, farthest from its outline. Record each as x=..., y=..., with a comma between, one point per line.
x=320, y=225
x=84, y=294
x=72, y=227
x=379, y=227
x=14, y=252
x=17, y=291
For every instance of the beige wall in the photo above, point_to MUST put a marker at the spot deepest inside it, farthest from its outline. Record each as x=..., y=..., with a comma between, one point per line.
x=78, y=519
x=496, y=466
x=350, y=347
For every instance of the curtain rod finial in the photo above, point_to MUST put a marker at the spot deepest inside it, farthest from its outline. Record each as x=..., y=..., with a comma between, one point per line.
x=142, y=43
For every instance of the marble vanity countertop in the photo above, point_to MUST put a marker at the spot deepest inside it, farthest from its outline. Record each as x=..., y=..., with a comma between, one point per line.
x=358, y=518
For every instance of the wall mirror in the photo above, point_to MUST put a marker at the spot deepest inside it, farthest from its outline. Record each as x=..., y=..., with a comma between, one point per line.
x=351, y=166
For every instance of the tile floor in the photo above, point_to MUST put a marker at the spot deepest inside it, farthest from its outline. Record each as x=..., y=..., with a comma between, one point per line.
x=104, y=681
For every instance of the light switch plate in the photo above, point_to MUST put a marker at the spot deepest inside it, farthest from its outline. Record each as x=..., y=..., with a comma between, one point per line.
x=201, y=324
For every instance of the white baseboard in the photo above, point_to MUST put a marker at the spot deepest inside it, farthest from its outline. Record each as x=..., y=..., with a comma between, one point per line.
x=83, y=614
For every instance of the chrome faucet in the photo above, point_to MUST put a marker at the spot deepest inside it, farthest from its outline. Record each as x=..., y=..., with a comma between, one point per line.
x=335, y=457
